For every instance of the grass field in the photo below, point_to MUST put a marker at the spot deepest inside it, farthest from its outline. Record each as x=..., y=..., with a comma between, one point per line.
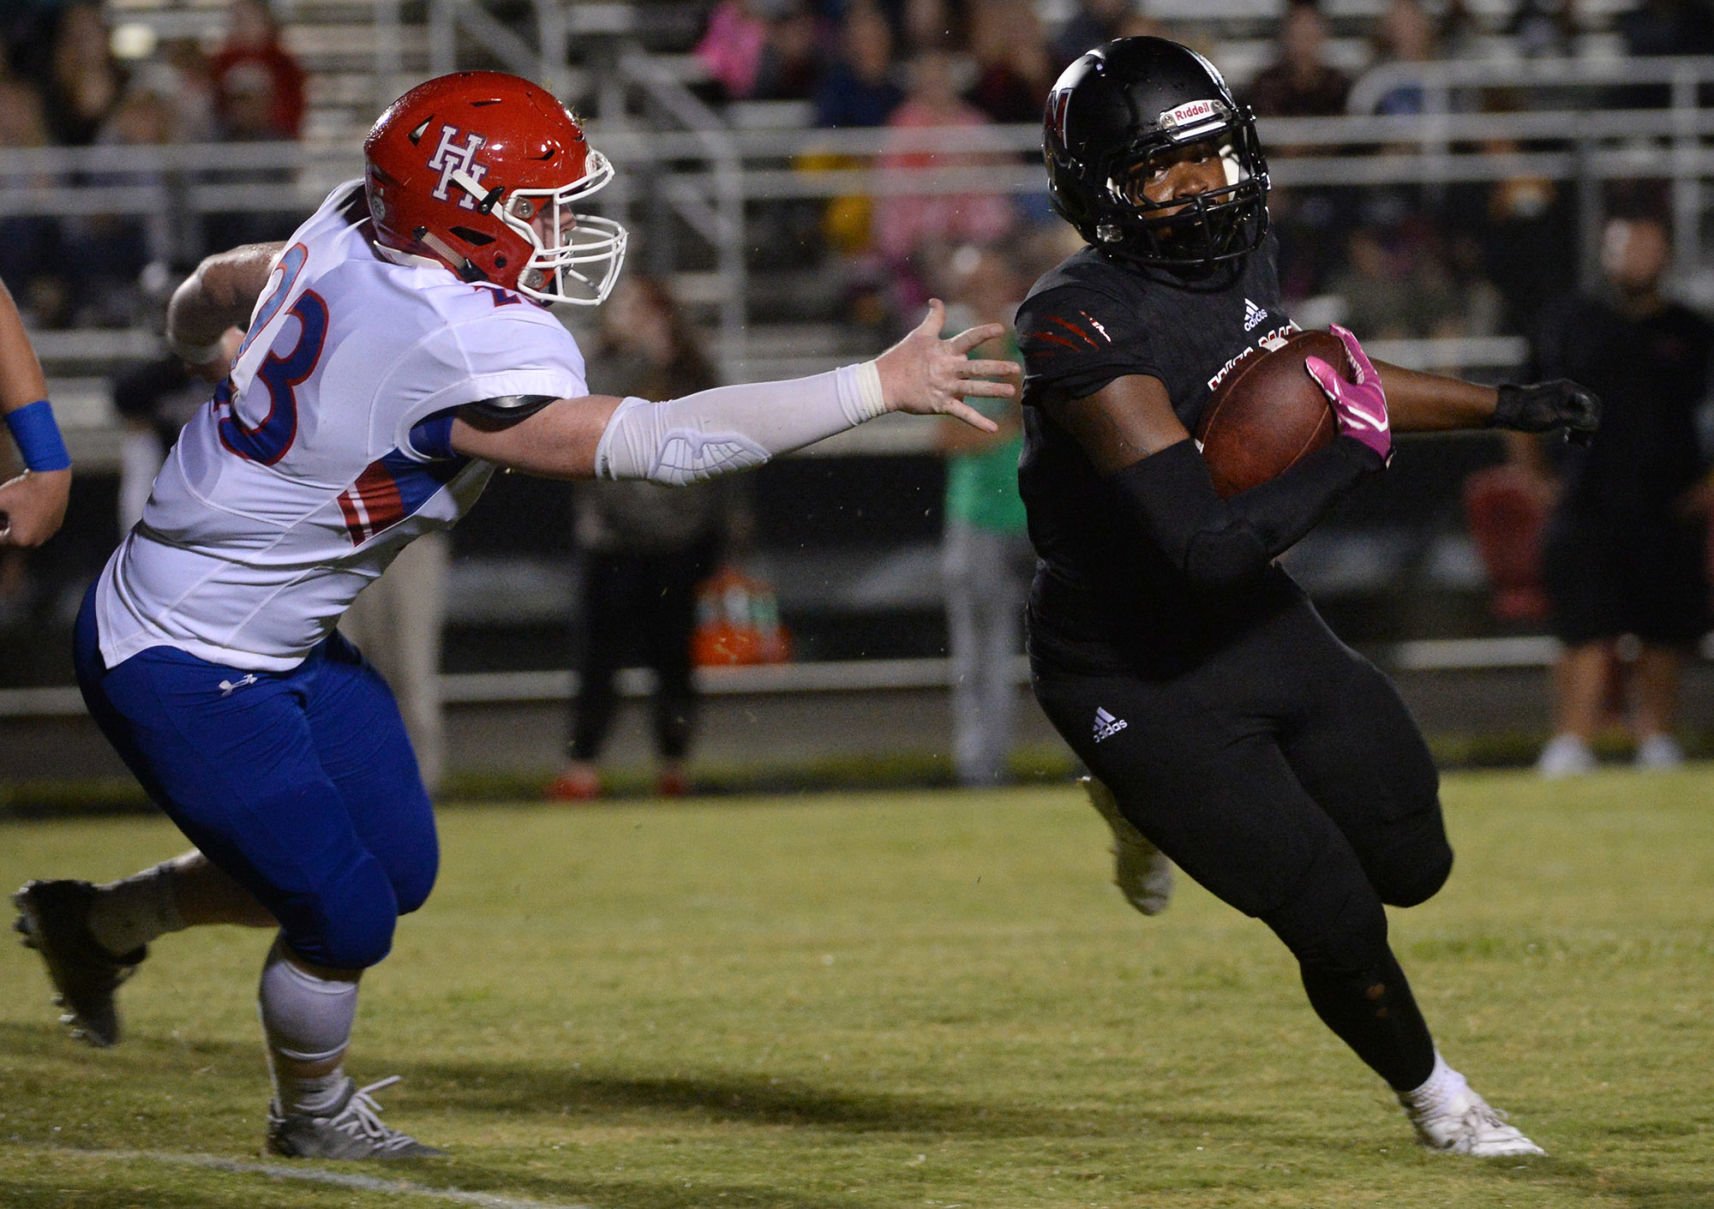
x=929, y=999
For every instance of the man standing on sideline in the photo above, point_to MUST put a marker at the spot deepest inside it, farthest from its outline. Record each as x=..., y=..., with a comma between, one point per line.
x=1625, y=550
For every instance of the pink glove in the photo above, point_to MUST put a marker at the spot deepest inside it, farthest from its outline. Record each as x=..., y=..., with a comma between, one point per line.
x=1358, y=402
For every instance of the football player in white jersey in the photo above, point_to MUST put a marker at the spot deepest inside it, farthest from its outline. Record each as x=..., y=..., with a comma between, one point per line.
x=397, y=350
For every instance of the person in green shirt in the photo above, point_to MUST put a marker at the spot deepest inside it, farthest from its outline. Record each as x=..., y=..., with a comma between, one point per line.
x=986, y=556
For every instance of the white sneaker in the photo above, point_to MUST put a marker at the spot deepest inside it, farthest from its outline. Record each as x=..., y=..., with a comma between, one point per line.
x=1458, y=1121
x=1659, y=753
x=1141, y=871
x=1565, y=756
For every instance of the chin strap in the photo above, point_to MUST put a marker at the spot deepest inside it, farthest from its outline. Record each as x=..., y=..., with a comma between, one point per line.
x=459, y=264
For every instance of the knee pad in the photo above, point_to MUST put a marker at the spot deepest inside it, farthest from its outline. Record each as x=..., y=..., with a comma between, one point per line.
x=349, y=925
x=1335, y=924
x=412, y=883
x=1417, y=866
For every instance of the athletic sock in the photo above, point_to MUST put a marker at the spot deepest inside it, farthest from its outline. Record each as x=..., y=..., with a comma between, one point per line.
x=306, y=1020
x=127, y=914
x=1441, y=1087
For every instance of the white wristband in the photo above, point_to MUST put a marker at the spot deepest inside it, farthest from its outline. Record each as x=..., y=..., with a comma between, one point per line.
x=874, y=402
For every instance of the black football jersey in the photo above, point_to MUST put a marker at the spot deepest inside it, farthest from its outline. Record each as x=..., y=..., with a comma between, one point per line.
x=1104, y=597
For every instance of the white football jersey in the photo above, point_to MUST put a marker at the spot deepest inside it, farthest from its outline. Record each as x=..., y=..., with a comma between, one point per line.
x=300, y=481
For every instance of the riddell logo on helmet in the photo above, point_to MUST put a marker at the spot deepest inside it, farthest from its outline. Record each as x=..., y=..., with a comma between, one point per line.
x=1190, y=111
x=450, y=157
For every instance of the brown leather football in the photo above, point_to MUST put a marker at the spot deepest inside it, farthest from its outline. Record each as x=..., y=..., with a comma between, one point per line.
x=1268, y=413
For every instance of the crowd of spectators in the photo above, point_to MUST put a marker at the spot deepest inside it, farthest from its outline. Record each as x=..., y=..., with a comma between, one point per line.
x=1475, y=258
x=1462, y=259
x=63, y=85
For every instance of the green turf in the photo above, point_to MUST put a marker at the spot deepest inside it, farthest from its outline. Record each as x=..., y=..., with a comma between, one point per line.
x=927, y=999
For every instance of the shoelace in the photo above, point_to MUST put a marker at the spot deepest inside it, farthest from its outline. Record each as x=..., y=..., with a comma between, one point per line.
x=1483, y=1113
x=362, y=1118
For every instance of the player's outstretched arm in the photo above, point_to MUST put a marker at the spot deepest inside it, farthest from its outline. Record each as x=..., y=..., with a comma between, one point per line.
x=732, y=428
x=214, y=302
x=1419, y=402
x=32, y=506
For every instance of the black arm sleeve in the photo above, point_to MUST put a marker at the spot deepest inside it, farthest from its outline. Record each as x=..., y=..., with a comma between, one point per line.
x=1224, y=543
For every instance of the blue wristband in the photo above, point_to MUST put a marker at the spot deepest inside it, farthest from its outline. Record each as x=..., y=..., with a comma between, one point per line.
x=38, y=437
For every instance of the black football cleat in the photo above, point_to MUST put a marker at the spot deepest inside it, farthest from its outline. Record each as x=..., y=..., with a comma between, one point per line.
x=53, y=919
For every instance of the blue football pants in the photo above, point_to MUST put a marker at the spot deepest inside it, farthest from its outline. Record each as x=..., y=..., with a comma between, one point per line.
x=300, y=785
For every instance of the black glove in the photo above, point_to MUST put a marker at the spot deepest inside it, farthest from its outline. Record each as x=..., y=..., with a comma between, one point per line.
x=1557, y=404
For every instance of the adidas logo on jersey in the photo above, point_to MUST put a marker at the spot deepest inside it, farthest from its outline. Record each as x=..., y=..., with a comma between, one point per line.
x=1253, y=315
x=1106, y=725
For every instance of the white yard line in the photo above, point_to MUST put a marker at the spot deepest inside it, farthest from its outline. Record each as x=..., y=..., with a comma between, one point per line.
x=319, y=1175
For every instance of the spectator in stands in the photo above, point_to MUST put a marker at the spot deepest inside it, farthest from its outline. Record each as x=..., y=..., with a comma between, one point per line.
x=986, y=556
x=258, y=83
x=258, y=95
x=109, y=250
x=85, y=81
x=1300, y=82
x=730, y=48
x=859, y=88
x=762, y=50
x=182, y=74
x=1013, y=67
x=1406, y=34
x=1667, y=27
x=643, y=549
x=912, y=230
x=1625, y=548
x=1524, y=229
x=1094, y=22
x=937, y=25
x=1543, y=28
x=31, y=256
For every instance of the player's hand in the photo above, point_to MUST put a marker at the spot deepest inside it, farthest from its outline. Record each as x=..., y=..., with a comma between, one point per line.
x=925, y=375
x=32, y=506
x=1359, y=404
x=1546, y=405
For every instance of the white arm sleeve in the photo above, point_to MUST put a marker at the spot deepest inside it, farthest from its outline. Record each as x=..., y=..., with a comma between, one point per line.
x=733, y=427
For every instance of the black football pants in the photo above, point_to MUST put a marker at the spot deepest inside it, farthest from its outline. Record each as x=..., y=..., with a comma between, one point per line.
x=1285, y=775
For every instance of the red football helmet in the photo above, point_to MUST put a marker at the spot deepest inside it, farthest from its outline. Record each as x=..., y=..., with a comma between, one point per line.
x=479, y=170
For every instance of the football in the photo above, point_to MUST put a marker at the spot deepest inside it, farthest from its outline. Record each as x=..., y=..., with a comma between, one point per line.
x=1268, y=413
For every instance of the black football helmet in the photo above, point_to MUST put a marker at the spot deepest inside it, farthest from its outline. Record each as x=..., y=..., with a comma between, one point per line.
x=1125, y=102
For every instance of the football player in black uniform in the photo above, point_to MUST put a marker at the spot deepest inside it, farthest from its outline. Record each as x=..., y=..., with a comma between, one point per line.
x=1221, y=718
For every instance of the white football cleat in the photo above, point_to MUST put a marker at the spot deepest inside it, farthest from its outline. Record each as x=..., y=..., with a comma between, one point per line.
x=1461, y=1122
x=1141, y=871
